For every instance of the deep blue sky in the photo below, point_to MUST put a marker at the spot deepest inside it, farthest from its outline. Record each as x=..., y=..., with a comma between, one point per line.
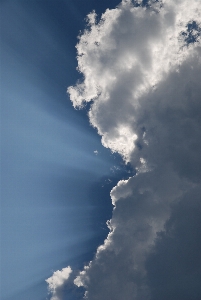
x=54, y=189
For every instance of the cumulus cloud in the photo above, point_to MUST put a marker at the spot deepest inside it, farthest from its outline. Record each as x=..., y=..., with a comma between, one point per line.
x=128, y=52
x=56, y=281
x=141, y=66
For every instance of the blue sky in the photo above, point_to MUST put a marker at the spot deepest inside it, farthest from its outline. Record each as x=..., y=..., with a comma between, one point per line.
x=136, y=70
x=48, y=165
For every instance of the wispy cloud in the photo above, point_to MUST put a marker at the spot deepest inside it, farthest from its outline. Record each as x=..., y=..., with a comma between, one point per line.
x=142, y=68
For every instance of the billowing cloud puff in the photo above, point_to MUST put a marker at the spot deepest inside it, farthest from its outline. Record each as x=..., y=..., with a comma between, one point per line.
x=130, y=51
x=56, y=281
x=141, y=66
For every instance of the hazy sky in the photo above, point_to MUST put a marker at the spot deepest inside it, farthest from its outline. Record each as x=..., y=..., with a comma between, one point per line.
x=135, y=77
x=53, y=205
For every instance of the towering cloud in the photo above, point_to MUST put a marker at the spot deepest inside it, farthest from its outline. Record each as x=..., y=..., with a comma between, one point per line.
x=141, y=66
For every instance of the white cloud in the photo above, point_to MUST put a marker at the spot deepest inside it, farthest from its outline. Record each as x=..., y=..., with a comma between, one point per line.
x=129, y=51
x=142, y=70
x=56, y=281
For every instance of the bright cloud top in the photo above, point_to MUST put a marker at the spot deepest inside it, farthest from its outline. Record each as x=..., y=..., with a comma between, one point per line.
x=130, y=50
x=141, y=66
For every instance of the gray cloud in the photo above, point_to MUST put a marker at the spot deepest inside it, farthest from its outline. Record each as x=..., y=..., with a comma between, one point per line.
x=142, y=71
x=174, y=264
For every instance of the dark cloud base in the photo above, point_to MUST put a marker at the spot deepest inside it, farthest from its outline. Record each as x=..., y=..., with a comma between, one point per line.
x=174, y=265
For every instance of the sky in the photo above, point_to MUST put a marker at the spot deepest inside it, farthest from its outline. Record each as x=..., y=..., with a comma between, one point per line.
x=100, y=159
